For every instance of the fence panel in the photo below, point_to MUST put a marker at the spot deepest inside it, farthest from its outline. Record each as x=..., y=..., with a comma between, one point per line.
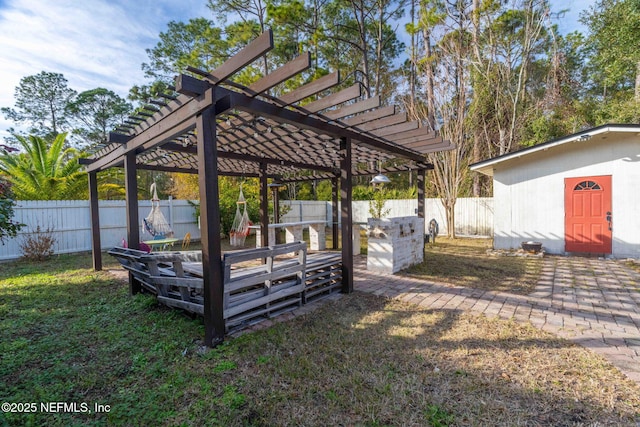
x=304, y=210
x=70, y=222
x=474, y=215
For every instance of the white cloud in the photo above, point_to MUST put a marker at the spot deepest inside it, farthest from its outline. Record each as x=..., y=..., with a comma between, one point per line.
x=93, y=43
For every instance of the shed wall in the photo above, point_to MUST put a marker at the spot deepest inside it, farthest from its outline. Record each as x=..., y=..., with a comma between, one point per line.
x=529, y=193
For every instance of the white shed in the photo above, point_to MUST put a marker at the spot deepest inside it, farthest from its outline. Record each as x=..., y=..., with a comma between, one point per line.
x=577, y=194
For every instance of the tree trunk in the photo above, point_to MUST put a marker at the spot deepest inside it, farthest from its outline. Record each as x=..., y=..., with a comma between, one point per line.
x=412, y=70
x=477, y=132
x=431, y=105
x=450, y=210
x=637, y=82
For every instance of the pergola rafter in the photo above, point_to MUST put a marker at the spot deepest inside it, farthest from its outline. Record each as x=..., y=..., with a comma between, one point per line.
x=215, y=126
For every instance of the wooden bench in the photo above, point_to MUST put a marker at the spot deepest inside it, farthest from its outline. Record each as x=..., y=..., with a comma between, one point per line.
x=263, y=290
x=251, y=293
x=175, y=287
x=324, y=275
x=129, y=259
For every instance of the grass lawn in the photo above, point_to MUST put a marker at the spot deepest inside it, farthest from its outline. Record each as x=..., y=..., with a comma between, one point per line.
x=464, y=262
x=68, y=334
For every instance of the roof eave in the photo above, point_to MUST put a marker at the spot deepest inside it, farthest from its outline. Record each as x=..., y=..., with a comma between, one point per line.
x=487, y=167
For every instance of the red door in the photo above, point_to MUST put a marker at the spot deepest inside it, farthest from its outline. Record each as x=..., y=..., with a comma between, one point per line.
x=588, y=216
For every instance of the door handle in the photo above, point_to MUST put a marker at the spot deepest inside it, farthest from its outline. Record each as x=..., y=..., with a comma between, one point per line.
x=608, y=217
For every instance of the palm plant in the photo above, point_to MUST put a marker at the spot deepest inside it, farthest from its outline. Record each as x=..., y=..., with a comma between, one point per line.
x=44, y=169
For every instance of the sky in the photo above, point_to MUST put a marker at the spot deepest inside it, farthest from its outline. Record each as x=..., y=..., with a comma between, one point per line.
x=101, y=43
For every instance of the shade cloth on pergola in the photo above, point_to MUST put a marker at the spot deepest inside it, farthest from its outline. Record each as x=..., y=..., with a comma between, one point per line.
x=213, y=127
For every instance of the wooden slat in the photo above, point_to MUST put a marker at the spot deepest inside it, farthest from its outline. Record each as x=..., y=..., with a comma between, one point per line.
x=428, y=139
x=355, y=108
x=188, y=282
x=422, y=132
x=384, y=122
x=176, y=120
x=254, y=50
x=372, y=115
x=401, y=127
x=283, y=73
x=444, y=146
x=334, y=99
x=292, y=290
x=185, y=305
x=310, y=89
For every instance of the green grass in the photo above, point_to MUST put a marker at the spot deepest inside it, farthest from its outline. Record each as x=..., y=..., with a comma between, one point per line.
x=465, y=262
x=68, y=334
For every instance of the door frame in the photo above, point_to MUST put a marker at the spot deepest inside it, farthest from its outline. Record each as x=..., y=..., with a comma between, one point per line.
x=605, y=182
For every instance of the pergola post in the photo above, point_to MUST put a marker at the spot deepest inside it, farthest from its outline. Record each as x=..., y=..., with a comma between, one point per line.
x=264, y=206
x=346, y=214
x=276, y=214
x=422, y=208
x=421, y=200
x=133, y=227
x=210, y=227
x=334, y=211
x=96, y=251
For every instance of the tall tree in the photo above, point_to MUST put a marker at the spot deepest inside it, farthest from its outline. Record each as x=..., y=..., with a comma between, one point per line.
x=250, y=12
x=300, y=24
x=97, y=111
x=614, y=63
x=41, y=103
x=197, y=43
x=45, y=170
x=443, y=72
x=509, y=41
x=359, y=36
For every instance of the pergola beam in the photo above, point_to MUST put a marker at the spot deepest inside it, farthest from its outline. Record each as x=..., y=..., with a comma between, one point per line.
x=352, y=92
x=303, y=121
x=180, y=121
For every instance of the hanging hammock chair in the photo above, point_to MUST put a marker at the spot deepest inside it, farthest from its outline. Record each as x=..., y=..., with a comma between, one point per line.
x=240, y=227
x=155, y=223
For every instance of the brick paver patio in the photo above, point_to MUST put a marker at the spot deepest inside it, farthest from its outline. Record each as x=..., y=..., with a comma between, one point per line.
x=592, y=302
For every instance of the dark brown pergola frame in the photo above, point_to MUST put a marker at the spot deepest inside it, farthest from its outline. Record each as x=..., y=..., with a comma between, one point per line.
x=216, y=127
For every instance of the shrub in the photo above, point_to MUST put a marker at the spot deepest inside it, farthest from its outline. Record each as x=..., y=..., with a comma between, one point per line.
x=38, y=245
x=376, y=206
x=8, y=227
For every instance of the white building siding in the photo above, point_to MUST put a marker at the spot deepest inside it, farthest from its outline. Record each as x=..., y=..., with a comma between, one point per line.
x=529, y=192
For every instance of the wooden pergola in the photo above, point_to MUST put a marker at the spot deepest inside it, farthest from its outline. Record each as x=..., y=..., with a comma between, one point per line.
x=214, y=127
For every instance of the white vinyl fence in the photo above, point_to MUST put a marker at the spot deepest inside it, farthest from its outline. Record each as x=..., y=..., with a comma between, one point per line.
x=70, y=221
x=474, y=215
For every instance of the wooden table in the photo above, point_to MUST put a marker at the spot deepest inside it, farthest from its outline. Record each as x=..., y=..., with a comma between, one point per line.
x=161, y=243
x=317, y=237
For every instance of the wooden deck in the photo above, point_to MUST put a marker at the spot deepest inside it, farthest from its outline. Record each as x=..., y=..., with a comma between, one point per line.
x=253, y=290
